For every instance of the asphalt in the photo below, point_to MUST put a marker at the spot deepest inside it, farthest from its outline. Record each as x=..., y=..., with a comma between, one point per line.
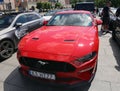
x=107, y=77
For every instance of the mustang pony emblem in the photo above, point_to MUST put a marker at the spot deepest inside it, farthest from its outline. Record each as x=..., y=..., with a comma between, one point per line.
x=42, y=63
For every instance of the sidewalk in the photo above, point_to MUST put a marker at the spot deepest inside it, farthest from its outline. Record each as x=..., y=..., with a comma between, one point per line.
x=108, y=73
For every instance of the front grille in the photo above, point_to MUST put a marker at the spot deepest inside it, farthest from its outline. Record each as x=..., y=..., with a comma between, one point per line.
x=47, y=65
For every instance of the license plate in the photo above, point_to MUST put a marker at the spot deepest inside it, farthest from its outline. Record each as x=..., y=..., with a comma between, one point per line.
x=42, y=75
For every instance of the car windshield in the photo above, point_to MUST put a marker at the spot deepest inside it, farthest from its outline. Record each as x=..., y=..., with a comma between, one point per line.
x=74, y=19
x=6, y=20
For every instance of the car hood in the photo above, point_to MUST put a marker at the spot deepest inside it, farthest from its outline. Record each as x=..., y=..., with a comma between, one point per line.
x=63, y=40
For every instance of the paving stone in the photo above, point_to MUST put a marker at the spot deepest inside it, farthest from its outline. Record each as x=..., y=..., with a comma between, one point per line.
x=98, y=85
x=108, y=73
x=115, y=86
x=11, y=61
x=108, y=60
x=1, y=86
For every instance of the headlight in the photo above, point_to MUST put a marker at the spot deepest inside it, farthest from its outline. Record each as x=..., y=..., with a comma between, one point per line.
x=87, y=57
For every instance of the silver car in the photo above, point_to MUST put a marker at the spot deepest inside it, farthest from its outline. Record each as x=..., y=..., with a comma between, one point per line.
x=13, y=27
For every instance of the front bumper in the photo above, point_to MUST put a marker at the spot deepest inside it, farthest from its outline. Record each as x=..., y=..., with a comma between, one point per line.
x=59, y=82
x=82, y=74
x=55, y=83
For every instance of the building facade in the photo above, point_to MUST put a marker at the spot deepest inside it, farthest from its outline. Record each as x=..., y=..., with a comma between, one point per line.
x=7, y=5
x=26, y=4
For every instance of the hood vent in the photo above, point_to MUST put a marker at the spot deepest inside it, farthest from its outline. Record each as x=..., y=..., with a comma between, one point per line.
x=69, y=40
x=35, y=38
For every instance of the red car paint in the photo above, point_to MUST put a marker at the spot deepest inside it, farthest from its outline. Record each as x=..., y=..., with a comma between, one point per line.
x=64, y=45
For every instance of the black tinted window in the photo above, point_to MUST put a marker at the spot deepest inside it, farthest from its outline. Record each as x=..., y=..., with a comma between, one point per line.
x=85, y=6
x=6, y=20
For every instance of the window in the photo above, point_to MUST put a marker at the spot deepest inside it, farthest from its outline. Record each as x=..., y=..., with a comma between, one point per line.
x=32, y=17
x=22, y=19
x=79, y=19
x=89, y=6
x=6, y=20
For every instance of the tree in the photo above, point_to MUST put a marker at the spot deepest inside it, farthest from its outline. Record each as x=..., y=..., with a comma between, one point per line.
x=39, y=5
x=44, y=6
x=115, y=3
x=101, y=3
x=73, y=2
x=58, y=5
x=47, y=5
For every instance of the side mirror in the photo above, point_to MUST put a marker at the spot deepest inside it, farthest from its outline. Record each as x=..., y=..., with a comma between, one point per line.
x=17, y=25
x=99, y=22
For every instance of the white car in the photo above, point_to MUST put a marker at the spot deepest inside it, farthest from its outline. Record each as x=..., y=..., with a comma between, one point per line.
x=51, y=13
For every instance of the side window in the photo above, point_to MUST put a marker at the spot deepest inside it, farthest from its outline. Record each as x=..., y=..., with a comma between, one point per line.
x=22, y=19
x=32, y=17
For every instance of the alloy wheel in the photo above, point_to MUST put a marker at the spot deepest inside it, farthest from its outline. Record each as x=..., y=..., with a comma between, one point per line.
x=6, y=49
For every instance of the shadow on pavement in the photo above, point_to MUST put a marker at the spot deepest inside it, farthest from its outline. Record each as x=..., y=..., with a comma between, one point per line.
x=17, y=82
x=116, y=52
x=100, y=33
x=1, y=60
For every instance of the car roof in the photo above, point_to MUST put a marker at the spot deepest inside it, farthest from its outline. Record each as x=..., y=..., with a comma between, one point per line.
x=17, y=13
x=73, y=11
x=85, y=2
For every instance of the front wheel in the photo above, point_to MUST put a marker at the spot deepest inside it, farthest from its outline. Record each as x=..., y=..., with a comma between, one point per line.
x=6, y=49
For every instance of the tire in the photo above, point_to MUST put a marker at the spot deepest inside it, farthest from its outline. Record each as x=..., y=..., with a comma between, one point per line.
x=6, y=49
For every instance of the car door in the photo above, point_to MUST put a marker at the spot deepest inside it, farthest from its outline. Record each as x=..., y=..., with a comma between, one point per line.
x=34, y=21
x=21, y=27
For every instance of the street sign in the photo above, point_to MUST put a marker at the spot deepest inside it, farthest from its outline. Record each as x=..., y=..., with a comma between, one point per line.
x=1, y=0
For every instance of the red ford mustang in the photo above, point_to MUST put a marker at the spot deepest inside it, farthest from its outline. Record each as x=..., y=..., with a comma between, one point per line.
x=64, y=51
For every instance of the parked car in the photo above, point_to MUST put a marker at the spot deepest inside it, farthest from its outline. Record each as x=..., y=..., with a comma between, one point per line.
x=116, y=28
x=89, y=6
x=112, y=18
x=51, y=13
x=13, y=27
x=64, y=51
